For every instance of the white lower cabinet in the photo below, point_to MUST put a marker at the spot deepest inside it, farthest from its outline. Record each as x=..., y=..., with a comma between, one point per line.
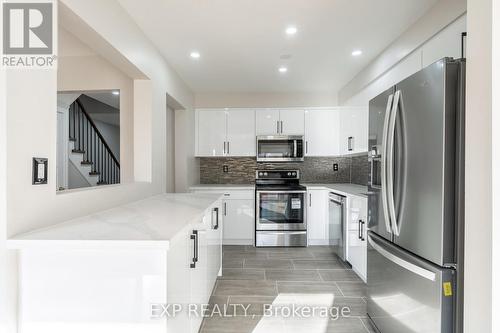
x=357, y=234
x=317, y=217
x=237, y=214
x=239, y=221
x=194, y=261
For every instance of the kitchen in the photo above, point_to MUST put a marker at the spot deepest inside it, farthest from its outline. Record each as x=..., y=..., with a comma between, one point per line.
x=264, y=165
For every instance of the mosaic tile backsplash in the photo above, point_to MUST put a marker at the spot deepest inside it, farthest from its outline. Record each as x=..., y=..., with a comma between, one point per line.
x=241, y=170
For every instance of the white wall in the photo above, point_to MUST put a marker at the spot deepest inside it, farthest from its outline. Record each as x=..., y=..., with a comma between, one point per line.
x=480, y=289
x=170, y=150
x=111, y=135
x=75, y=178
x=263, y=100
x=31, y=129
x=93, y=72
x=435, y=20
x=496, y=164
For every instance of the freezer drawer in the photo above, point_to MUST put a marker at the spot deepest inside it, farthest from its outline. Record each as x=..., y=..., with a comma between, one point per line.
x=405, y=293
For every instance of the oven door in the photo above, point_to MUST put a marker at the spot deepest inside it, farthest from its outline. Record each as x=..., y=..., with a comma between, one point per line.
x=280, y=210
x=280, y=149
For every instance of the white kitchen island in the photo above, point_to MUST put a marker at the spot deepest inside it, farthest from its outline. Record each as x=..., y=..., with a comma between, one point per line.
x=116, y=270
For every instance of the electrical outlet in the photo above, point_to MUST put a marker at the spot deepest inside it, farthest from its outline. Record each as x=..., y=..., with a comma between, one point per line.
x=225, y=169
x=335, y=167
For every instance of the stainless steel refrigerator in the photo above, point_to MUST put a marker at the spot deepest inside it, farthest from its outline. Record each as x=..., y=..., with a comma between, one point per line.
x=415, y=205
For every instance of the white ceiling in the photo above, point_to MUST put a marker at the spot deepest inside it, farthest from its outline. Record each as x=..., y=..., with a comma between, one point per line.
x=241, y=41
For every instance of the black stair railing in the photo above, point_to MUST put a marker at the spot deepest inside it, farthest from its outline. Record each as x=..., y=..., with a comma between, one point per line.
x=91, y=144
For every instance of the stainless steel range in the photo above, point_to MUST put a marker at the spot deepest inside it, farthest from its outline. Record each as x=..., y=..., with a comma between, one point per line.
x=280, y=201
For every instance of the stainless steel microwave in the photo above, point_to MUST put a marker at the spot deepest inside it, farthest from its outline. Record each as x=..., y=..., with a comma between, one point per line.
x=280, y=148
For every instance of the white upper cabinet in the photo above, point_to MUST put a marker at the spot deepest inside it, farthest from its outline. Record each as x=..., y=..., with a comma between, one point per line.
x=447, y=43
x=211, y=138
x=353, y=130
x=225, y=133
x=292, y=122
x=267, y=122
x=279, y=122
x=241, y=138
x=322, y=132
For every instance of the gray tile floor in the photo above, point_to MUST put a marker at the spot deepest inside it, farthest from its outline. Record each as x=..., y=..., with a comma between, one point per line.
x=311, y=279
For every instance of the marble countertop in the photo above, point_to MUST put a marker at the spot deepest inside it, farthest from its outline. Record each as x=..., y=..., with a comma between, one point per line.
x=342, y=188
x=148, y=223
x=223, y=186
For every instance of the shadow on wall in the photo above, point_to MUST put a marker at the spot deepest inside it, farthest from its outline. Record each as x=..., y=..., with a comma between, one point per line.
x=88, y=138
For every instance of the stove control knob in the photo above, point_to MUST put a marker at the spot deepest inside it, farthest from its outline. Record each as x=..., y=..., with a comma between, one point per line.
x=289, y=174
x=265, y=173
x=294, y=174
x=261, y=174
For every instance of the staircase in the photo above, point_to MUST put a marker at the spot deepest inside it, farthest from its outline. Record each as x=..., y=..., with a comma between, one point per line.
x=89, y=150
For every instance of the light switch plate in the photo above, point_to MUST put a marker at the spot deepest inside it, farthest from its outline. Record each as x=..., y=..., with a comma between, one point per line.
x=40, y=170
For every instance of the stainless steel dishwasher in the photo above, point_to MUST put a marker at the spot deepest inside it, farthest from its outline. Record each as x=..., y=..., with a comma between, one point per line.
x=336, y=224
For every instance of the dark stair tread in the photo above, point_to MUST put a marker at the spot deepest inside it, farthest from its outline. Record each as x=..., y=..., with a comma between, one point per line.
x=72, y=139
x=94, y=173
x=78, y=151
x=102, y=183
x=87, y=163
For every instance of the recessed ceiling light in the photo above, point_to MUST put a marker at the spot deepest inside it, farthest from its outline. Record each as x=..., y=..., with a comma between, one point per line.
x=194, y=54
x=357, y=53
x=283, y=69
x=116, y=92
x=291, y=30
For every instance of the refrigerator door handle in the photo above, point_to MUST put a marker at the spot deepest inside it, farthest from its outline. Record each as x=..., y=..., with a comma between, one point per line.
x=390, y=163
x=383, y=171
x=429, y=275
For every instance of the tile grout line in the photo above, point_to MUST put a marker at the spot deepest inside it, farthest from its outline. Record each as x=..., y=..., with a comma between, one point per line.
x=363, y=323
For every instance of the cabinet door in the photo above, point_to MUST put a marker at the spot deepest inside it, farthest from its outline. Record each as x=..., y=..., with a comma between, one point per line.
x=359, y=127
x=267, y=122
x=446, y=43
x=239, y=222
x=198, y=277
x=179, y=257
x=214, y=246
x=241, y=133
x=322, y=132
x=353, y=130
x=211, y=132
x=317, y=217
x=292, y=122
x=357, y=225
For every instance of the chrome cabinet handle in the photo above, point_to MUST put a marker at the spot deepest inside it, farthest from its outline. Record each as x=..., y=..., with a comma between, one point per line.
x=225, y=209
x=194, y=238
x=349, y=143
x=277, y=127
x=228, y=148
x=307, y=147
x=359, y=229
x=390, y=163
x=281, y=127
x=383, y=170
x=216, y=211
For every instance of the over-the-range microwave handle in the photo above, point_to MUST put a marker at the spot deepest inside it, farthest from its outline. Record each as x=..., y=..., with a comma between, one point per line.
x=425, y=273
x=383, y=171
